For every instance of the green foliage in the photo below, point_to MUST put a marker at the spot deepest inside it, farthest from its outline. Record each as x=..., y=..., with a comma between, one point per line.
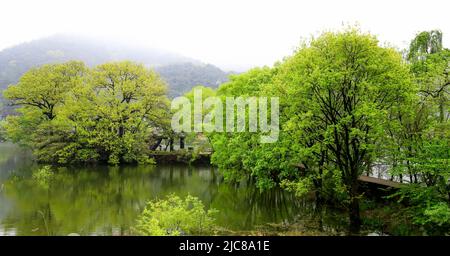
x=427, y=207
x=300, y=187
x=335, y=95
x=426, y=42
x=419, y=143
x=43, y=176
x=339, y=89
x=437, y=214
x=175, y=216
x=241, y=154
x=72, y=114
x=45, y=87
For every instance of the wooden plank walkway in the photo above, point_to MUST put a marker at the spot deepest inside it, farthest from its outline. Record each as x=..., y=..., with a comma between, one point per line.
x=367, y=179
x=382, y=182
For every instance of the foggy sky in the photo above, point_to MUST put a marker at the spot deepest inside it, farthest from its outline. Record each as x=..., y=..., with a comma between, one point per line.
x=232, y=34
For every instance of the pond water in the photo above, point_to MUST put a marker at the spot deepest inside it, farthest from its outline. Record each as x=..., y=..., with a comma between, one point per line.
x=104, y=200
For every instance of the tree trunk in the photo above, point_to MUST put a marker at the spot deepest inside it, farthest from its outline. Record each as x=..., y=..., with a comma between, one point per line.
x=171, y=144
x=319, y=210
x=355, y=218
x=181, y=142
x=156, y=145
x=121, y=131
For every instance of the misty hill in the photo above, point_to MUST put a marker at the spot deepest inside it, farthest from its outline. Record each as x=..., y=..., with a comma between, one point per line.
x=180, y=72
x=182, y=76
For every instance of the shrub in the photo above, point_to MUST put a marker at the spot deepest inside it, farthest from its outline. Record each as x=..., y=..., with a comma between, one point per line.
x=174, y=216
x=427, y=208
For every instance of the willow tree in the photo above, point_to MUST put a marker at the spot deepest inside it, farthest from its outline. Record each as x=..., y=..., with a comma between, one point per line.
x=430, y=65
x=425, y=43
x=424, y=130
x=343, y=85
x=422, y=138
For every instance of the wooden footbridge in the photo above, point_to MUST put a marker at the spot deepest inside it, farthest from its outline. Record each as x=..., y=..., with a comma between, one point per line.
x=380, y=182
x=370, y=180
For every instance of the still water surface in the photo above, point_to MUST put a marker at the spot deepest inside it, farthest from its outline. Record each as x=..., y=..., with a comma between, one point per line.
x=106, y=200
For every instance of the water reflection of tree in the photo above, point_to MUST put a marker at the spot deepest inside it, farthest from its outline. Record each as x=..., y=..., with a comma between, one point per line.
x=13, y=159
x=107, y=200
x=82, y=201
x=101, y=200
x=243, y=206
